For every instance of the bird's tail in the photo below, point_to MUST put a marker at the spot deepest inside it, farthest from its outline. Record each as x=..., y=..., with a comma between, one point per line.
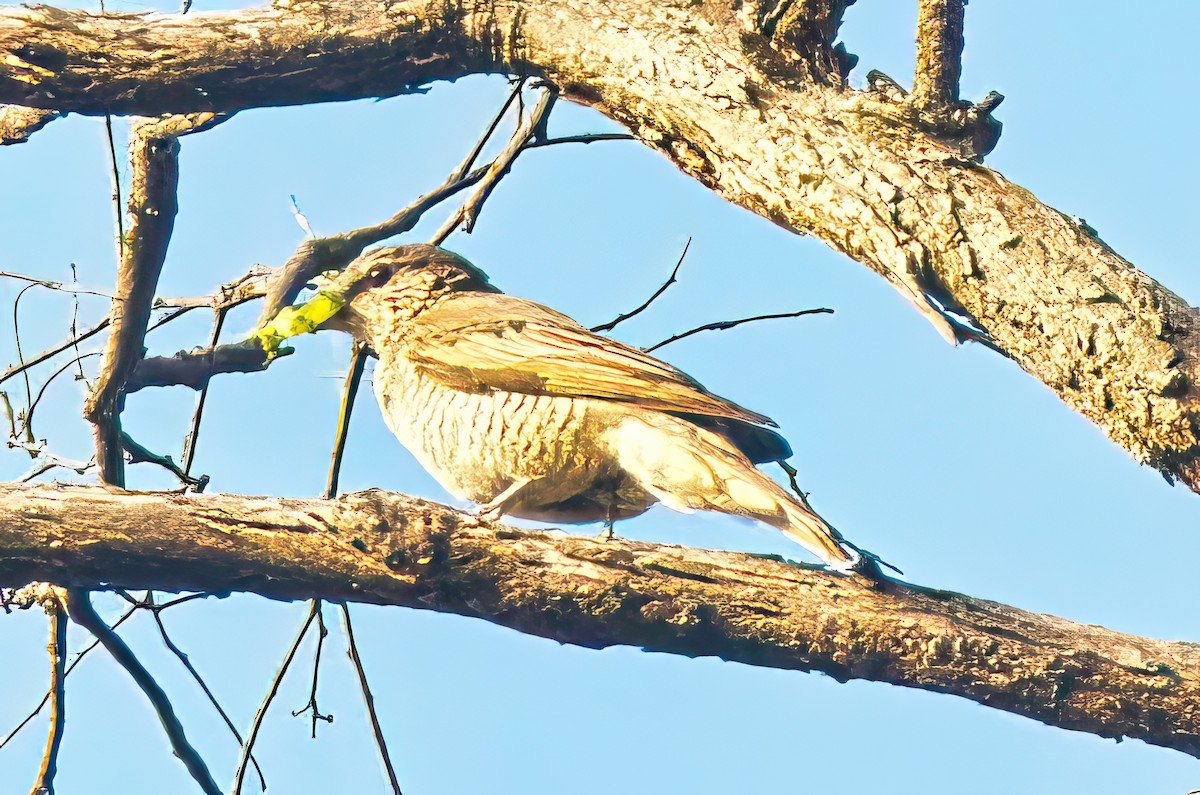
x=689, y=468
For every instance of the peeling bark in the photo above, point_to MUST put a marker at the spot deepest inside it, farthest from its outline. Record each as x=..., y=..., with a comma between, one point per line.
x=391, y=549
x=750, y=102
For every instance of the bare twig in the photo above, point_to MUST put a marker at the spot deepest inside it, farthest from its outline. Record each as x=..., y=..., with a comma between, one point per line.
x=79, y=607
x=728, y=324
x=17, y=341
x=586, y=138
x=248, y=746
x=358, y=361
x=50, y=693
x=469, y=211
x=50, y=353
x=465, y=167
x=191, y=669
x=189, y=445
x=79, y=657
x=311, y=706
x=619, y=319
x=50, y=284
x=318, y=255
x=369, y=701
x=194, y=368
x=115, y=176
x=58, y=701
x=75, y=324
x=42, y=390
x=236, y=293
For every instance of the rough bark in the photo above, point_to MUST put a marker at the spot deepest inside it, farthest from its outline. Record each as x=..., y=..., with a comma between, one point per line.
x=18, y=123
x=939, y=53
x=751, y=103
x=390, y=549
x=153, y=202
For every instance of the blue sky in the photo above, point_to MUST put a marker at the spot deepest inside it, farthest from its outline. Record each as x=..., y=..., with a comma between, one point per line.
x=952, y=463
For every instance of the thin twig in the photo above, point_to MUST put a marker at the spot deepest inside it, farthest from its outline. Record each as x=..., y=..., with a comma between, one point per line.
x=20, y=353
x=728, y=324
x=619, y=319
x=586, y=138
x=53, y=285
x=42, y=391
x=336, y=251
x=50, y=353
x=230, y=295
x=212, y=699
x=50, y=693
x=79, y=607
x=115, y=174
x=79, y=657
x=465, y=167
x=322, y=254
x=369, y=700
x=58, y=702
x=358, y=362
x=322, y=633
x=75, y=325
x=248, y=746
x=189, y=447
x=467, y=214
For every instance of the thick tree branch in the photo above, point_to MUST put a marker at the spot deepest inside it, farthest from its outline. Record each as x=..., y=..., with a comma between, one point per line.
x=761, y=118
x=391, y=549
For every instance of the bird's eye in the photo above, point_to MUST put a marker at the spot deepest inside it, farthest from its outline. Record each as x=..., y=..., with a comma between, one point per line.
x=378, y=277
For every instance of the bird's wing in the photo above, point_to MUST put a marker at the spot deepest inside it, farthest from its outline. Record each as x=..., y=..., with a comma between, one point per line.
x=481, y=343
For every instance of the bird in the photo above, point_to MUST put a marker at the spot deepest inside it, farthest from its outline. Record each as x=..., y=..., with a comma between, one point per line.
x=526, y=413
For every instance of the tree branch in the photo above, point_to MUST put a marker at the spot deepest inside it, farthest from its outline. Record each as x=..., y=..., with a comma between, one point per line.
x=153, y=202
x=390, y=549
x=727, y=100
x=939, y=54
x=79, y=606
x=385, y=758
x=58, y=701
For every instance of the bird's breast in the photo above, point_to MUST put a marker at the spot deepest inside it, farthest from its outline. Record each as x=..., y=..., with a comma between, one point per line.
x=477, y=444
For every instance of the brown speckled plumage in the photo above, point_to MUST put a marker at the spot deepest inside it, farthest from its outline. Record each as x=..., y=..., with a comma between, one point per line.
x=522, y=410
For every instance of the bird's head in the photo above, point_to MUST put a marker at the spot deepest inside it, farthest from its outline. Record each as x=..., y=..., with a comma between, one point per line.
x=387, y=287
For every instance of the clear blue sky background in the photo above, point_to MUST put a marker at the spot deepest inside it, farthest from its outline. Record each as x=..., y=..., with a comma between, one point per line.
x=951, y=462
